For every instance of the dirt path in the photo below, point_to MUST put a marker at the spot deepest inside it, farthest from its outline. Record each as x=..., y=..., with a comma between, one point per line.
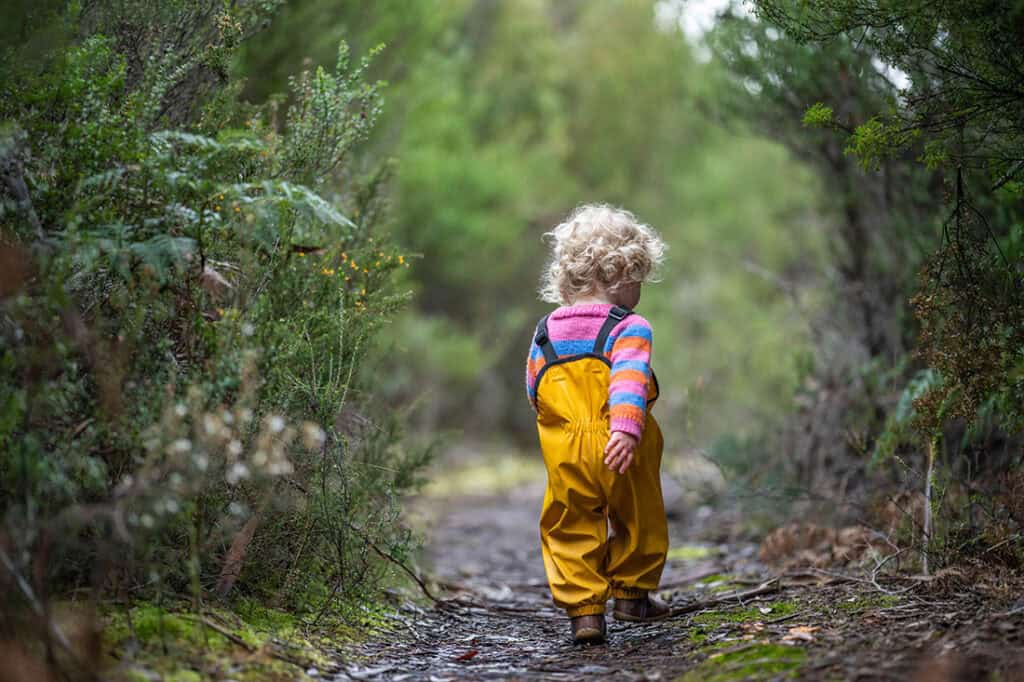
x=500, y=623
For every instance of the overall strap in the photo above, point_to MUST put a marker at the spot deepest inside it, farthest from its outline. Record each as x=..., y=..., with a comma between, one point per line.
x=543, y=342
x=615, y=315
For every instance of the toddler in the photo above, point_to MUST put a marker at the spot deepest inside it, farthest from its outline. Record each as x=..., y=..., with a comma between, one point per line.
x=589, y=379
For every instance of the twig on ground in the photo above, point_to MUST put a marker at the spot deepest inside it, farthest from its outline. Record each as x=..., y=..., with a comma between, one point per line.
x=691, y=579
x=235, y=639
x=220, y=630
x=53, y=629
x=1012, y=538
x=878, y=567
x=408, y=626
x=453, y=587
x=526, y=613
x=768, y=587
x=397, y=562
x=833, y=578
x=783, y=619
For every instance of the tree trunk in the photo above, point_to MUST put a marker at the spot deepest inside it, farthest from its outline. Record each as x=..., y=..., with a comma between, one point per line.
x=235, y=557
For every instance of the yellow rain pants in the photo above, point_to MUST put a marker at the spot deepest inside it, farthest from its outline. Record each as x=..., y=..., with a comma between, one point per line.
x=584, y=566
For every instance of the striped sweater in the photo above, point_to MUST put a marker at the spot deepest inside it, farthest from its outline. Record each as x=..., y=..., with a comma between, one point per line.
x=573, y=329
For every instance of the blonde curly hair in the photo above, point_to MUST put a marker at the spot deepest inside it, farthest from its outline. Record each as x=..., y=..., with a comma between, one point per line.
x=599, y=248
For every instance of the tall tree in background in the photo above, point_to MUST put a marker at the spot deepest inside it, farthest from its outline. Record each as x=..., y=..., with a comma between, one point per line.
x=962, y=114
x=913, y=113
x=878, y=233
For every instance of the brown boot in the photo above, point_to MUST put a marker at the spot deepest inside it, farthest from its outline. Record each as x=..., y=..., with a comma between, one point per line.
x=643, y=610
x=589, y=629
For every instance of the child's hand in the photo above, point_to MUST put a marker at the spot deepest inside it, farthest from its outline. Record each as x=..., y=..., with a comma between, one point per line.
x=618, y=454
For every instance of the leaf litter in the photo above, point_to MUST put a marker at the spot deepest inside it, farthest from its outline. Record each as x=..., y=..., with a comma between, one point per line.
x=495, y=619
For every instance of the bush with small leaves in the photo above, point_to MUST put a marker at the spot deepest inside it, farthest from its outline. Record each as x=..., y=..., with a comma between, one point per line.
x=185, y=303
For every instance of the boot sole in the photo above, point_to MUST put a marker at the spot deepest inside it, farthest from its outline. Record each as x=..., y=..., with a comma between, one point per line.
x=588, y=636
x=627, y=618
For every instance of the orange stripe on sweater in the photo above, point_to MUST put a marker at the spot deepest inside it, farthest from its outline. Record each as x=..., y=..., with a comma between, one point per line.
x=535, y=365
x=632, y=342
x=629, y=375
x=630, y=412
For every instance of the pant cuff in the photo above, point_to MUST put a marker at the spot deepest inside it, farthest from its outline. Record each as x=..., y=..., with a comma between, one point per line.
x=585, y=610
x=628, y=593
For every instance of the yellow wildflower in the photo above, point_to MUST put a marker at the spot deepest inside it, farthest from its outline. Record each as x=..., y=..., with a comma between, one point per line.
x=326, y=271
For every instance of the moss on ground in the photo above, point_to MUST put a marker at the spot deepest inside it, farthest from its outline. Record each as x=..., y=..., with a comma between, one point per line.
x=704, y=624
x=485, y=476
x=756, y=661
x=715, y=578
x=247, y=643
x=719, y=582
x=689, y=552
x=697, y=635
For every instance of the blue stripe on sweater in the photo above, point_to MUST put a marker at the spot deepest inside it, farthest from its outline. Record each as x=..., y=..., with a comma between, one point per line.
x=638, y=365
x=563, y=348
x=625, y=398
x=632, y=331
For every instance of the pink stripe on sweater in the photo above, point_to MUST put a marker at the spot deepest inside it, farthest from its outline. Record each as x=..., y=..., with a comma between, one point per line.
x=624, y=386
x=641, y=354
x=626, y=425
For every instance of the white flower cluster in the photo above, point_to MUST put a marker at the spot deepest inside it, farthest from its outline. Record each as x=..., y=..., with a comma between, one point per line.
x=192, y=446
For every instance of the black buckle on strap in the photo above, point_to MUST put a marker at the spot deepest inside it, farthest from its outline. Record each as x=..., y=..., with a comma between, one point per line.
x=618, y=312
x=540, y=339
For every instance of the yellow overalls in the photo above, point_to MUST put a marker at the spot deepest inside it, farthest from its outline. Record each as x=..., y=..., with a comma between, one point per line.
x=584, y=566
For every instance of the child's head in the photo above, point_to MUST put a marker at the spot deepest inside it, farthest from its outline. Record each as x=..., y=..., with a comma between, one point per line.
x=600, y=251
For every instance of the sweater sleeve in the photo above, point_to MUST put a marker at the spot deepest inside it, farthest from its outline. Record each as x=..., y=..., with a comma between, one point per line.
x=630, y=356
x=534, y=361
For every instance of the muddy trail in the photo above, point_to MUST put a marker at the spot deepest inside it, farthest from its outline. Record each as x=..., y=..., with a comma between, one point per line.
x=735, y=618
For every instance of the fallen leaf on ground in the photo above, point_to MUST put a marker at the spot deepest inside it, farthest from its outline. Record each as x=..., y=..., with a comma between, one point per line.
x=800, y=633
x=468, y=655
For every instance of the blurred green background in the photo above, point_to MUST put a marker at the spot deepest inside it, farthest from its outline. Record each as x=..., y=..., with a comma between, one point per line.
x=505, y=115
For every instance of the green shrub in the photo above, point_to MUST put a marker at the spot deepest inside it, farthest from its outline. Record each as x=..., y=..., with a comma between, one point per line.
x=184, y=309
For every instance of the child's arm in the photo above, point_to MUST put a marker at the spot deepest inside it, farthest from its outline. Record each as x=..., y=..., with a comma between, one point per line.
x=627, y=391
x=630, y=375
x=533, y=360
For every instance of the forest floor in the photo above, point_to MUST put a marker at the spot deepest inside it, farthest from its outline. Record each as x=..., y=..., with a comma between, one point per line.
x=736, y=618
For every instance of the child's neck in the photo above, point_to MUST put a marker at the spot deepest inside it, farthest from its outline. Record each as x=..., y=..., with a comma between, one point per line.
x=592, y=300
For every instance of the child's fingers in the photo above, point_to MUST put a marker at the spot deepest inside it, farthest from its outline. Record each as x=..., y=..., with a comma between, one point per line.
x=612, y=450
x=614, y=443
x=626, y=461
x=621, y=457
